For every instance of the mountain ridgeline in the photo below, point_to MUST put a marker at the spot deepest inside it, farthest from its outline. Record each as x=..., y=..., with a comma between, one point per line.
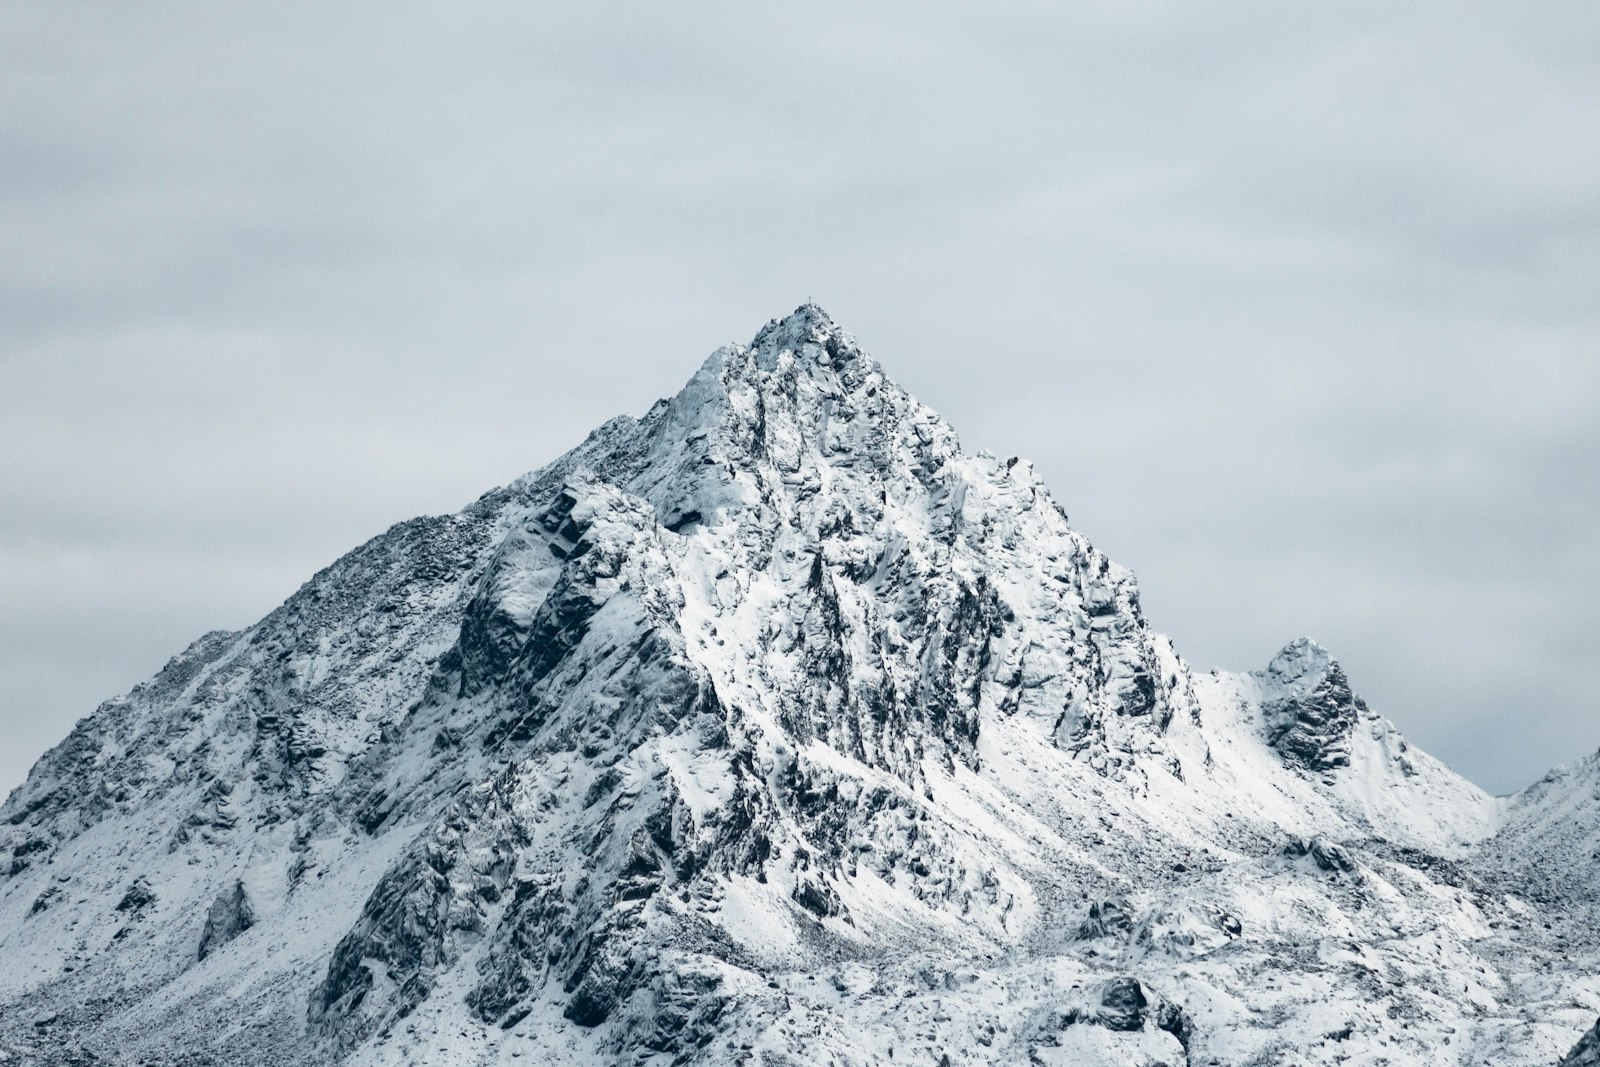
x=773, y=728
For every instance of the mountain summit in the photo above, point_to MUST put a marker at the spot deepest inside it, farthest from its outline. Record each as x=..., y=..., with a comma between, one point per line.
x=770, y=728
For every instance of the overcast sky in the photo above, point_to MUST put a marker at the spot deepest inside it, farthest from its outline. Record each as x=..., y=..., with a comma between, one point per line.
x=1296, y=307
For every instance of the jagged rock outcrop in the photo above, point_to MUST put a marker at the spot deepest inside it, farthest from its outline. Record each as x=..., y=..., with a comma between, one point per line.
x=1309, y=709
x=1106, y=917
x=1122, y=1005
x=1324, y=855
x=769, y=727
x=231, y=914
x=1586, y=1053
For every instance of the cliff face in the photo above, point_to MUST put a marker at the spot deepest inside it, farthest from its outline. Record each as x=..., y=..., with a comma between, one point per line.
x=768, y=727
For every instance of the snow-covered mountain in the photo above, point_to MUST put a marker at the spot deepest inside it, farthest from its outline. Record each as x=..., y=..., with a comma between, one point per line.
x=772, y=728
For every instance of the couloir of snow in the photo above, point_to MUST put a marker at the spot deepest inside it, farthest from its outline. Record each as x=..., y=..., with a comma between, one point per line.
x=772, y=727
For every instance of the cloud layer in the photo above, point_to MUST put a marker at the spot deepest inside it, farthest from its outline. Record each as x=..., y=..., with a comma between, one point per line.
x=1293, y=308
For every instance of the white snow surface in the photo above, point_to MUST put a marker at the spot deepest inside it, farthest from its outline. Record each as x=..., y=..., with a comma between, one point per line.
x=772, y=728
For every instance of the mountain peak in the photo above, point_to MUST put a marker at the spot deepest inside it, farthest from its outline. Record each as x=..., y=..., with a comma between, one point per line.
x=1300, y=659
x=806, y=324
x=815, y=344
x=800, y=392
x=805, y=343
x=771, y=695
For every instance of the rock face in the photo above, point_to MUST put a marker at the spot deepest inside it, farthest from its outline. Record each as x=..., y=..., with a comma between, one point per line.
x=231, y=914
x=1586, y=1053
x=1123, y=1004
x=1309, y=709
x=770, y=727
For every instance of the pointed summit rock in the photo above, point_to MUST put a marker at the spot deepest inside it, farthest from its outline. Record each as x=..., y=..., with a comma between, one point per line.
x=1309, y=709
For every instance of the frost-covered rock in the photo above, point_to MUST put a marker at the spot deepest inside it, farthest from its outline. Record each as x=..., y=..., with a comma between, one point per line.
x=1586, y=1053
x=1309, y=709
x=772, y=727
x=231, y=914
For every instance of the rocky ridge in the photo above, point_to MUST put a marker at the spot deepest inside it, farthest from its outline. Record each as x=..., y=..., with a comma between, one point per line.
x=772, y=727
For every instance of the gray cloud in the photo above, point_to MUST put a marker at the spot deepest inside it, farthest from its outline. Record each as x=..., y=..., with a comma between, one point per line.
x=1293, y=308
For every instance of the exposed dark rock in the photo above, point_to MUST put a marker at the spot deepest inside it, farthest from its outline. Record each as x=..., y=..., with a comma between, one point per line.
x=684, y=522
x=816, y=897
x=1325, y=855
x=590, y=1005
x=1114, y=915
x=138, y=897
x=1586, y=1053
x=1123, y=1004
x=687, y=1006
x=231, y=914
x=1175, y=1021
x=606, y=974
x=44, y=900
x=1310, y=711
